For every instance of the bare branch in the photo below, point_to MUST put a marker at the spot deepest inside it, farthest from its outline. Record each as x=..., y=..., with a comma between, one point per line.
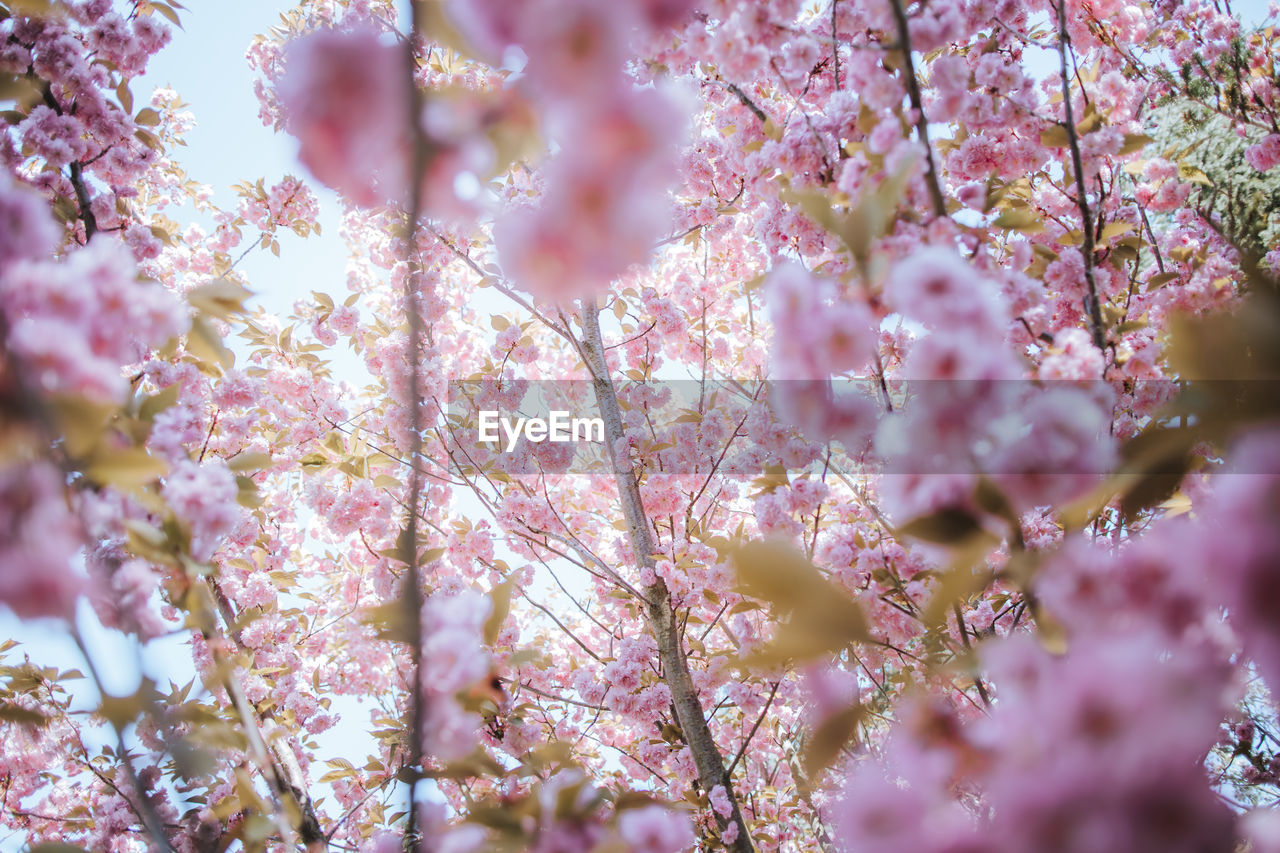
x=1092, y=307
x=922, y=123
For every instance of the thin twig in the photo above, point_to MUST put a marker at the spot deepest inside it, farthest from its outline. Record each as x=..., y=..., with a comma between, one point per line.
x=760, y=719
x=747, y=102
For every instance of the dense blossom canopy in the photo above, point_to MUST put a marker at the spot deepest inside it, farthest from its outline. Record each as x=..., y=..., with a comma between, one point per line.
x=936, y=507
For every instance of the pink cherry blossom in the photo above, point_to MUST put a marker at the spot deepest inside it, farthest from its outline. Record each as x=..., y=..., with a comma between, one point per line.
x=203, y=495
x=345, y=98
x=41, y=540
x=654, y=829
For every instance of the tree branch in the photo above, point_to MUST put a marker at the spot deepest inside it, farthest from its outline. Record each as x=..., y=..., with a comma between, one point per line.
x=922, y=123
x=660, y=614
x=1092, y=307
x=412, y=592
x=282, y=769
x=733, y=765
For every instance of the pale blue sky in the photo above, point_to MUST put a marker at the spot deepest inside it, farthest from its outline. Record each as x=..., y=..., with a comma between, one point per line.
x=205, y=63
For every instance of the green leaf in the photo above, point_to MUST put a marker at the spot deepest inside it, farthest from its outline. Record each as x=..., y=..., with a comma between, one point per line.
x=831, y=735
x=1021, y=219
x=128, y=469
x=1055, y=137
x=815, y=615
x=221, y=298
x=501, y=598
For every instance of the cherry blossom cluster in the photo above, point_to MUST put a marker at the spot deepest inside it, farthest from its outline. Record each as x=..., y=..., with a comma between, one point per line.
x=926, y=296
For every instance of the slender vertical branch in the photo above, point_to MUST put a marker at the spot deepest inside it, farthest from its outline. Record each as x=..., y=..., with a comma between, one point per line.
x=84, y=205
x=412, y=593
x=280, y=765
x=964, y=638
x=144, y=809
x=917, y=105
x=835, y=46
x=660, y=614
x=1092, y=307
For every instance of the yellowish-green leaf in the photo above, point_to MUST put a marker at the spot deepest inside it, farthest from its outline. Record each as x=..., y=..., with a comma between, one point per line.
x=829, y=738
x=1134, y=142
x=221, y=298
x=13, y=713
x=1020, y=219
x=83, y=423
x=1191, y=174
x=388, y=620
x=168, y=13
x=500, y=595
x=1091, y=122
x=1114, y=229
x=125, y=96
x=816, y=616
x=247, y=492
x=149, y=542
x=128, y=469
x=207, y=346
x=947, y=526
x=158, y=402
x=1055, y=137
x=243, y=463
